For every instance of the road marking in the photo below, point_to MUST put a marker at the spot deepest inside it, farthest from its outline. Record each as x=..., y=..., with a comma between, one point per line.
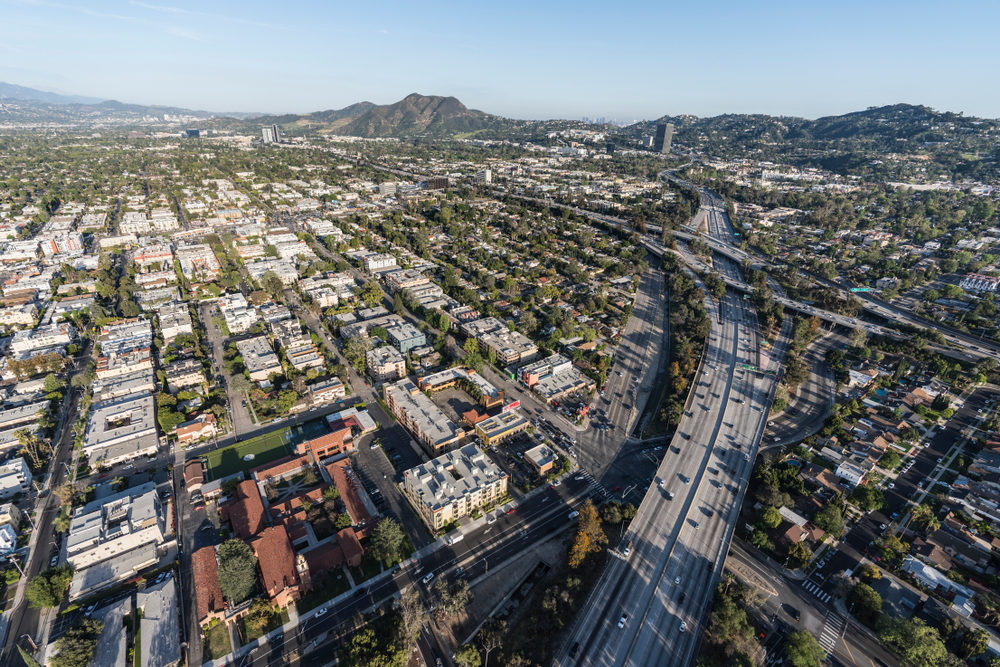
x=831, y=632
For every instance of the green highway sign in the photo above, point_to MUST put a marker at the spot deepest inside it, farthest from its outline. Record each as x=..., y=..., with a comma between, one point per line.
x=861, y=289
x=749, y=367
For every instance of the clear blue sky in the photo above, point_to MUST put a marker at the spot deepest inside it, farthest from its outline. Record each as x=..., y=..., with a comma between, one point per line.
x=519, y=59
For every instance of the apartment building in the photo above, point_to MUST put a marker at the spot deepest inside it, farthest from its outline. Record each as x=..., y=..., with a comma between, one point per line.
x=175, y=319
x=385, y=364
x=159, y=257
x=453, y=485
x=554, y=377
x=511, y=347
x=258, y=358
x=198, y=262
x=130, y=361
x=404, y=279
x=379, y=262
x=237, y=312
x=184, y=373
x=404, y=337
x=127, y=423
x=51, y=336
x=425, y=420
x=15, y=477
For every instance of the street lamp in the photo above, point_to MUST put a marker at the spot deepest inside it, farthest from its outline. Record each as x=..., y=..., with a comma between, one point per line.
x=13, y=560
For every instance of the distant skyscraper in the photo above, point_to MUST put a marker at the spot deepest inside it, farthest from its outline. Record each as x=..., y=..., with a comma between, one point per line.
x=610, y=148
x=193, y=134
x=271, y=134
x=664, y=135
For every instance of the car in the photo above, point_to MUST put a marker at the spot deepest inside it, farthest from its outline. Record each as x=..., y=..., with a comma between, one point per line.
x=55, y=559
x=627, y=551
x=623, y=620
x=770, y=423
x=940, y=460
x=711, y=567
x=510, y=511
x=557, y=482
x=573, y=651
x=374, y=445
x=697, y=525
x=746, y=457
x=102, y=475
x=573, y=514
x=684, y=626
x=883, y=526
x=428, y=579
x=90, y=609
x=677, y=580
x=892, y=485
x=616, y=489
x=680, y=600
x=687, y=480
x=777, y=439
x=128, y=467
x=895, y=515
x=578, y=478
x=322, y=611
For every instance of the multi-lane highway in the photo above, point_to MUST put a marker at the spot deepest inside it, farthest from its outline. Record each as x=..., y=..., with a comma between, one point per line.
x=649, y=605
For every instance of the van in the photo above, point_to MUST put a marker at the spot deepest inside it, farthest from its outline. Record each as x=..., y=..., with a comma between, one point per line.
x=456, y=537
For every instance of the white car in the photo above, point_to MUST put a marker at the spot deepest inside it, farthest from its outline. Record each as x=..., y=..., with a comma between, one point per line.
x=683, y=626
x=623, y=620
x=428, y=579
x=321, y=611
x=677, y=580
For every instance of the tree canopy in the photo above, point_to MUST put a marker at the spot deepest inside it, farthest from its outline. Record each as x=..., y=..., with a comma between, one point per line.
x=237, y=570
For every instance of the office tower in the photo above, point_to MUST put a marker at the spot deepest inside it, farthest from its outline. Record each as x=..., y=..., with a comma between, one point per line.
x=271, y=134
x=664, y=135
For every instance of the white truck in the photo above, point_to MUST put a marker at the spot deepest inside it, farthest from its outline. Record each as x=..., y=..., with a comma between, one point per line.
x=457, y=536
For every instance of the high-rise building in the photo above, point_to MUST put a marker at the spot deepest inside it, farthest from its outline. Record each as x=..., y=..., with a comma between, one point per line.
x=271, y=134
x=193, y=134
x=485, y=176
x=610, y=147
x=664, y=135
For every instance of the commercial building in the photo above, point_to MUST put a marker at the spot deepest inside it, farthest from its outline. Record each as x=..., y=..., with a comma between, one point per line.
x=542, y=458
x=453, y=485
x=51, y=336
x=431, y=427
x=385, y=364
x=554, y=377
x=498, y=428
x=404, y=279
x=258, y=358
x=664, y=136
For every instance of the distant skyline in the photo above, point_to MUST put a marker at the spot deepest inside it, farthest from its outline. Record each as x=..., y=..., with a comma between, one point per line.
x=519, y=59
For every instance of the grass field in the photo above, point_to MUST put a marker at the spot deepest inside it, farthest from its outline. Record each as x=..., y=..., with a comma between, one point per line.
x=265, y=448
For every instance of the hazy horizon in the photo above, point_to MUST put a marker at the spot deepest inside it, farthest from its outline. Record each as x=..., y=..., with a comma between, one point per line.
x=532, y=61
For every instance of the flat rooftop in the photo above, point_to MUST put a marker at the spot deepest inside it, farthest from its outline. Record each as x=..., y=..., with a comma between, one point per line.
x=454, y=475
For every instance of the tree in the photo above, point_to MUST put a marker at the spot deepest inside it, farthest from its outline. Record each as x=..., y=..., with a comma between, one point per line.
x=915, y=643
x=272, y=284
x=32, y=447
x=355, y=350
x=411, y=614
x=925, y=514
x=868, y=498
x=387, y=539
x=803, y=650
x=830, y=519
x=46, y=589
x=973, y=643
x=589, y=535
x=259, y=614
x=468, y=656
x=78, y=645
x=768, y=517
x=728, y=622
x=868, y=572
x=371, y=293
x=491, y=635
x=241, y=383
x=31, y=662
x=890, y=460
x=237, y=570
x=53, y=383
x=800, y=552
x=79, y=381
x=453, y=598
x=397, y=304
x=867, y=604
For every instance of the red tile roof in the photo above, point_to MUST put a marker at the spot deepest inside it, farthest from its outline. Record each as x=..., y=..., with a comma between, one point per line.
x=332, y=443
x=276, y=559
x=294, y=504
x=194, y=472
x=343, y=478
x=348, y=541
x=246, y=512
x=206, y=582
x=324, y=558
x=281, y=467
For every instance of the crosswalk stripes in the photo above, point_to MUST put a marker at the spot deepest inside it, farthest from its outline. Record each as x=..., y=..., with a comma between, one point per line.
x=831, y=632
x=815, y=590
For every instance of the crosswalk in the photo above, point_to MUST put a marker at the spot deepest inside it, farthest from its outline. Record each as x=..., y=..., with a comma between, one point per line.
x=815, y=590
x=831, y=632
x=597, y=489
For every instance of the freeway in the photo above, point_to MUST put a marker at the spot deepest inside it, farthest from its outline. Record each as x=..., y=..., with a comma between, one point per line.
x=650, y=602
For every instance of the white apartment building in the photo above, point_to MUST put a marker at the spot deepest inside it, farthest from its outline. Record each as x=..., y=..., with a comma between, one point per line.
x=15, y=478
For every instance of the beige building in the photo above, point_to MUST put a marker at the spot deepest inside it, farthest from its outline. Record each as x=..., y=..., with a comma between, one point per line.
x=385, y=364
x=453, y=485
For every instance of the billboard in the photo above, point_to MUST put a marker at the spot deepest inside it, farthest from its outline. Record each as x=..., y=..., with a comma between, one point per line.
x=511, y=406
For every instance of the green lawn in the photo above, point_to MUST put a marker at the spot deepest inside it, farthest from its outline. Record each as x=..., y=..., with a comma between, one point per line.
x=368, y=569
x=274, y=622
x=331, y=589
x=265, y=448
x=217, y=642
x=823, y=463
